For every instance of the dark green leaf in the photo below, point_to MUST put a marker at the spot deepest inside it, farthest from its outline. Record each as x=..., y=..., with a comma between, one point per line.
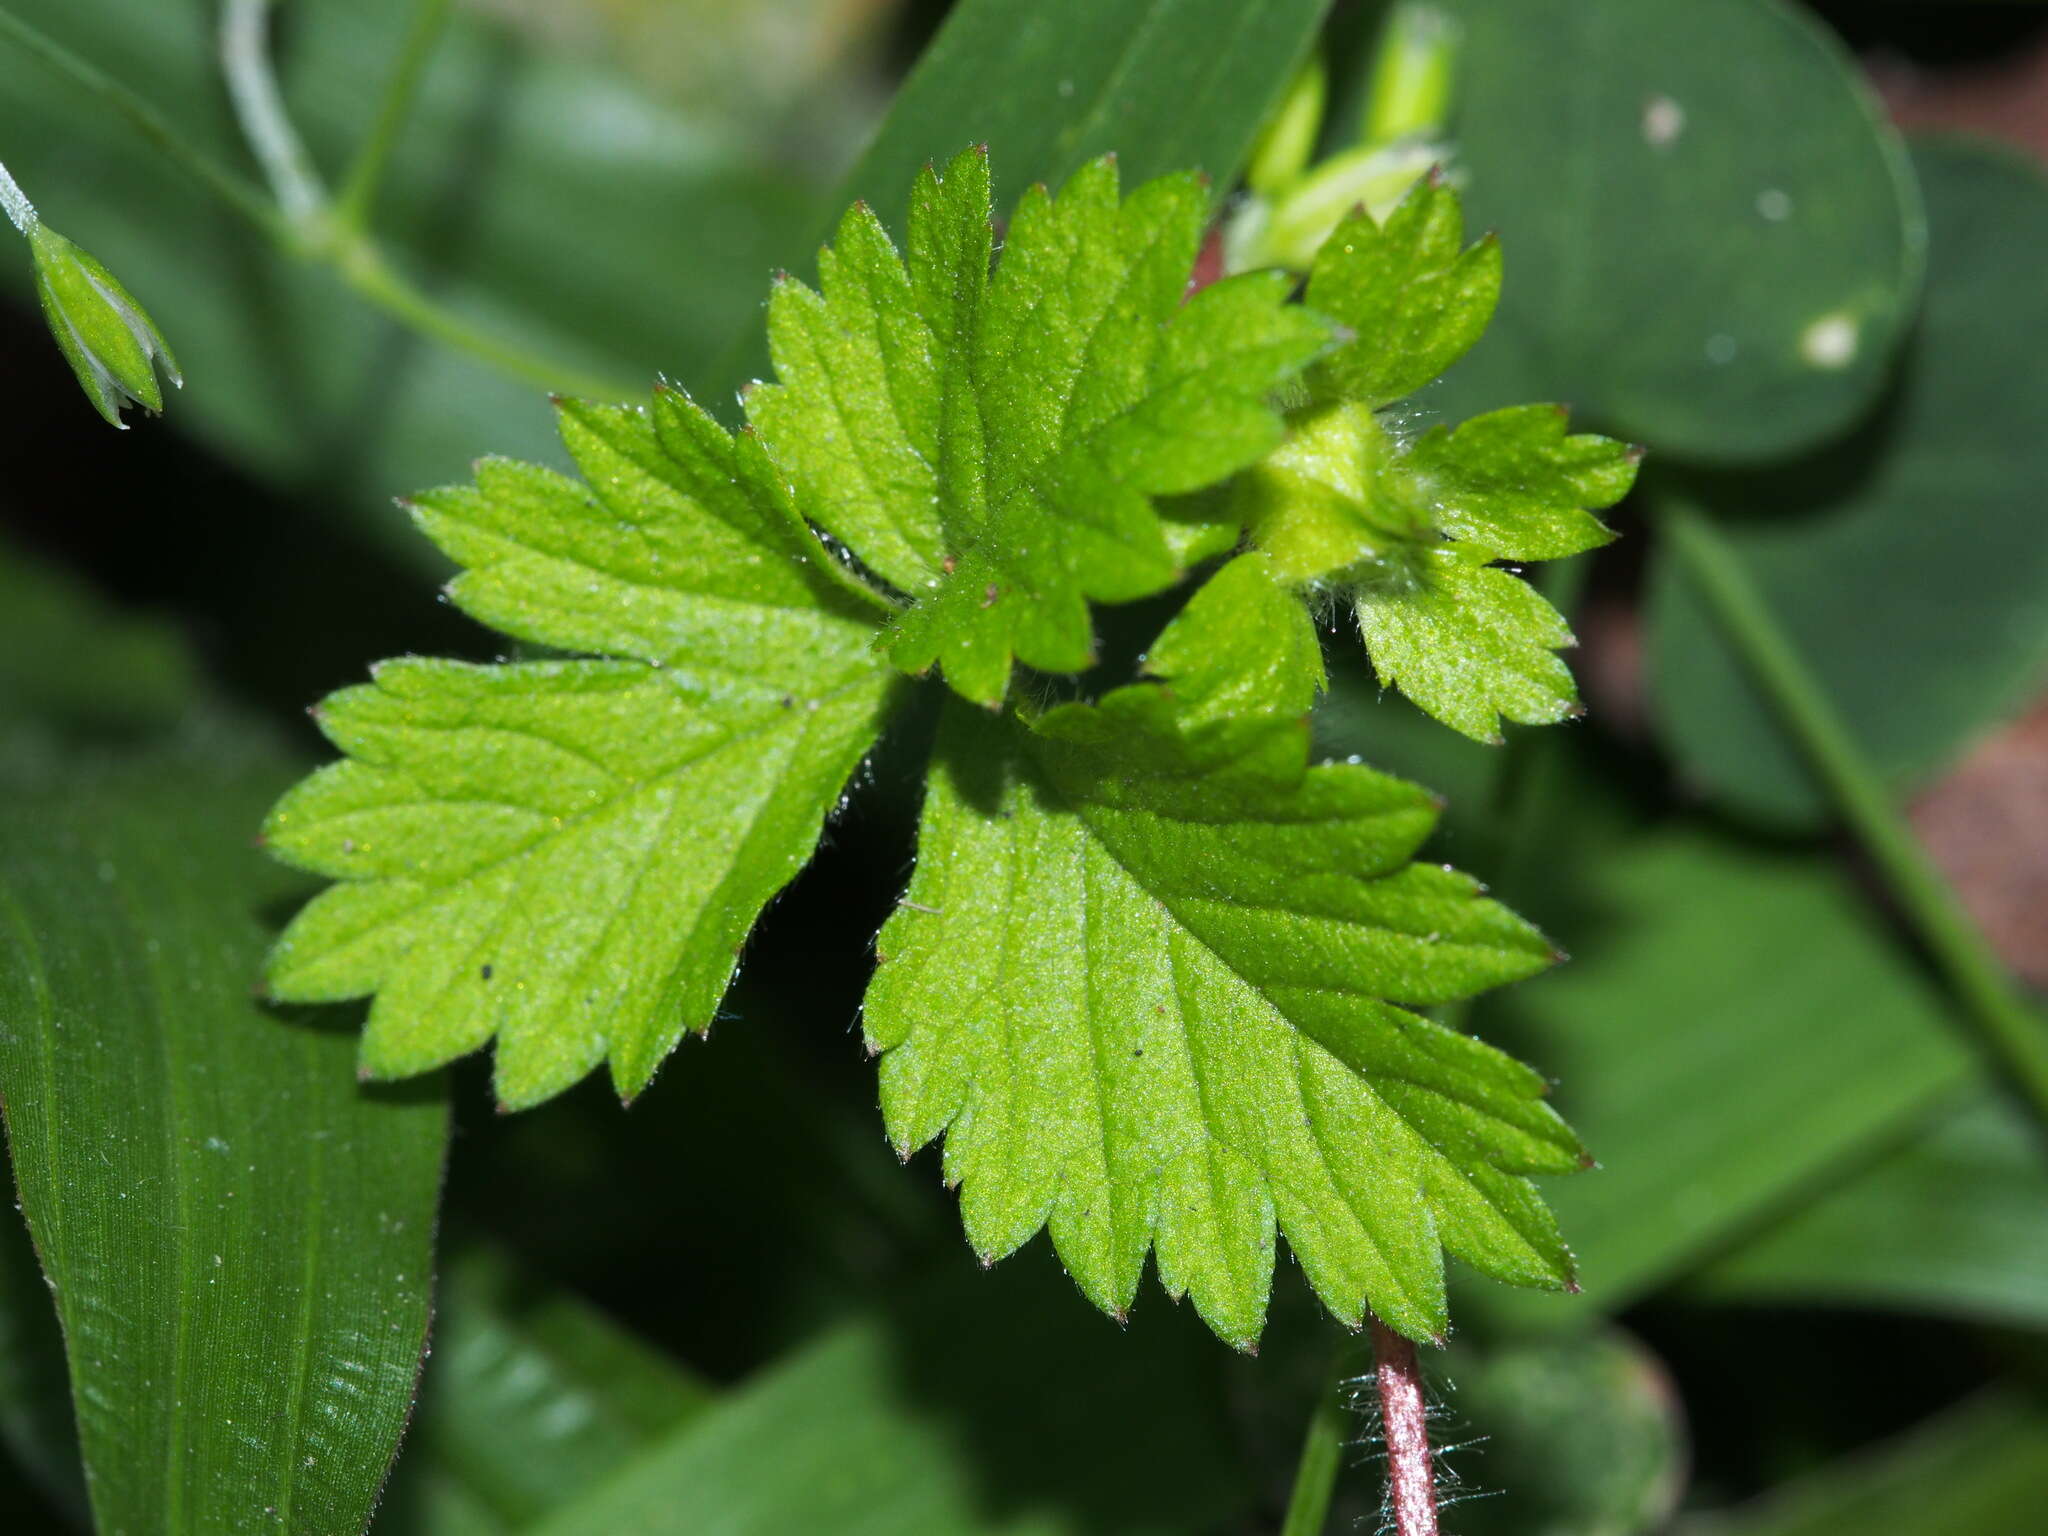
x=532, y=1399
x=1165, y=85
x=1716, y=965
x=1712, y=238
x=240, y=1238
x=1580, y=1435
x=1907, y=567
x=1975, y=1470
x=1948, y=1221
x=929, y=1422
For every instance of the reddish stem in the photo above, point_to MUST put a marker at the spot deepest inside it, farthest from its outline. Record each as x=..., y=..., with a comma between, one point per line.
x=1411, y=1474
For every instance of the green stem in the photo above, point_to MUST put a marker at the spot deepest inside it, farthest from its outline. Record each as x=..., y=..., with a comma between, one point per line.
x=2008, y=1029
x=1322, y=1451
x=364, y=268
x=359, y=191
x=259, y=107
x=315, y=236
x=242, y=196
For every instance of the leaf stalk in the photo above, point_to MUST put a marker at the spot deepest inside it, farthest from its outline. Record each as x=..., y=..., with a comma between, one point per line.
x=359, y=191
x=1411, y=1469
x=2007, y=1029
x=1322, y=1451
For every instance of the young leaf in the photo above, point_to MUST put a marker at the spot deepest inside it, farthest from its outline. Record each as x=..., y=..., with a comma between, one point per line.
x=567, y=855
x=1467, y=642
x=1146, y=981
x=1413, y=299
x=990, y=443
x=1407, y=531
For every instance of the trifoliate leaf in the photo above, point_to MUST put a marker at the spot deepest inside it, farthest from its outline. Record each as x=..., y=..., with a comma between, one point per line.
x=1146, y=983
x=1407, y=530
x=1414, y=300
x=990, y=442
x=1467, y=642
x=567, y=855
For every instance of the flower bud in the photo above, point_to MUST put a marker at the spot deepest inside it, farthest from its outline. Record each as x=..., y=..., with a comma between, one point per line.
x=109, y=340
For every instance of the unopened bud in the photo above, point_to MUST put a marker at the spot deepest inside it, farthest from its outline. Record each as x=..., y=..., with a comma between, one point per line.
x=109, y=340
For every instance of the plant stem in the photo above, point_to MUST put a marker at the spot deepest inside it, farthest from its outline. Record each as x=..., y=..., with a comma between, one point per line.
x=231, y=189
x=1411, y=1471
x=364, y=268
x=305, y=235
x=252, y=86
x=20, y=211
x=1322, y=1453
x=366, y=175
x=2009, y=1030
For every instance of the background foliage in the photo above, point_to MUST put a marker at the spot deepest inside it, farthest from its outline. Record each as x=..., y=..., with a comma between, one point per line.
x=1815, y=1269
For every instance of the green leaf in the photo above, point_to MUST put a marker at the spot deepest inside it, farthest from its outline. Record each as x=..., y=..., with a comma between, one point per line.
x=1583, y=1436
x=1644, y=161
x=1145, y=980
x=72, y=661
x=925, y=1421
x=1948, y=1222
x=1165, y=85
x=568, y=855
x=1408, y=532
x=1516, y=482
x=239, y=1238
x=991, y=444
x=1467, y=642
x=1907, y=566
x=1972, y=1470
x=532, y=1399
x=1749, y=956
x=1414, y=299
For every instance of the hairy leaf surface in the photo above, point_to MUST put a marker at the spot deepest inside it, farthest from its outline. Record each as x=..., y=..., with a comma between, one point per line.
x=567, y=855
x=1408, y=531
x=1413, y=298
x=1147, y=981
x=990, y=443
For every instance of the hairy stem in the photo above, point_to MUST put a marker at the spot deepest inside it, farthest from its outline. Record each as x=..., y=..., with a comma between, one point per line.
x=1322, y=1452
x=259, y=107
x=1411, y=1472
x=366, y=175
x=20, y=211
x=2007, y=1028
x=315, y=236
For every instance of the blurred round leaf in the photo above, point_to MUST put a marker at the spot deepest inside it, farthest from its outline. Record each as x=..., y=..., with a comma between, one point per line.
x=1713, y=241
x=1582, y=1437
x=1907, y=565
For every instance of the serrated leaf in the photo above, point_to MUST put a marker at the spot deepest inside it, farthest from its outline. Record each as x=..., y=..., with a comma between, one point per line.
x=990, y=443
x=1406, y=531
x=680, y=547
x=1514, y=481
x=1146, y=981
x=567, y=855
x=1413, y=296
x=1466, y=641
